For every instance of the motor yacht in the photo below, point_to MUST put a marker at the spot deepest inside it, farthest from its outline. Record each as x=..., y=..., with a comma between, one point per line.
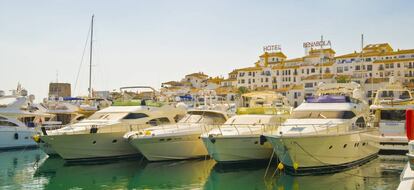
x=389, y=108
x=326, y=133
x=100, y=135
x=15, y=134
x=239, y=138
x=19, y=117
x=177, y=141
x=64, y=113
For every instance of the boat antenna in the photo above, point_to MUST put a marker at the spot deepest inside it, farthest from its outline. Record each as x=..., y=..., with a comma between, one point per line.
x=90, y=60
x=322, y=59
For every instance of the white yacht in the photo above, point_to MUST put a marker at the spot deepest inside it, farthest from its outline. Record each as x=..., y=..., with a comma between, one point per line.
x=15, y=134
x=389, y=108
x=239, y=139
x=100, y=135
x=64, y=113
x=177, y=141
x=18, y=119
x=327, y=132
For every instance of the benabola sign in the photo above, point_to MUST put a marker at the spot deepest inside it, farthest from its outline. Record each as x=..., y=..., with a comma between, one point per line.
x=316, y=44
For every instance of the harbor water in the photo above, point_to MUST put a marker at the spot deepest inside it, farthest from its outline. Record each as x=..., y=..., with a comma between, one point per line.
x=32, y=169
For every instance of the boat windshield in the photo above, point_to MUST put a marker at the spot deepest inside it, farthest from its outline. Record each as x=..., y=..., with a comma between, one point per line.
x=107, y=116
x=316, y=114
x=248, y=120
x=393, y=115
x=203, y=117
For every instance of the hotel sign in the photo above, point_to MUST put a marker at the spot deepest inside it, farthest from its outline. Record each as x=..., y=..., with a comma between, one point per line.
x=321, y=43
x=271, y=48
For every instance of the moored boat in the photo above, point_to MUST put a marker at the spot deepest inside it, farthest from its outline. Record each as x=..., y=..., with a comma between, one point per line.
x=326, y=133
x=177, y=141
x=239, y=139
x=100, y=135
x=389, y=107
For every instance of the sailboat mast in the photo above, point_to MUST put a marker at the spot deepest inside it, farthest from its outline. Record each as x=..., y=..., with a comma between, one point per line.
x=90, y=60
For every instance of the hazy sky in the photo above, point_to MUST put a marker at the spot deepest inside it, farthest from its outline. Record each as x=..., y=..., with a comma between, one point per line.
x=153, y=41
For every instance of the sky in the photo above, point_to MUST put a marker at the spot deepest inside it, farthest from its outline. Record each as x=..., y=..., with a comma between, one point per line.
x=140, y=42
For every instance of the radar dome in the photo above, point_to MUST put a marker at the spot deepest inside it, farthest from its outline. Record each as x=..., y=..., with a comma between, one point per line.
x=23, y=92
x=181, y=105
x=31, y=97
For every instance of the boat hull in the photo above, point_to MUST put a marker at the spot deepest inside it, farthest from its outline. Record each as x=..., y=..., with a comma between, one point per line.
x=78, y=147
x=324, y=153
x=16, y=138
x=170, y=147
x=237, y=148
x=47, y=148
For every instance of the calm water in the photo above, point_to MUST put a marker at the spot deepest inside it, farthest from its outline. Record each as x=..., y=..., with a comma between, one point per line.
x=32, y=169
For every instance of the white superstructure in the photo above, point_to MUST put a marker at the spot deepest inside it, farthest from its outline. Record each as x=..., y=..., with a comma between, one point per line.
x=177, y=141
x=18, y=119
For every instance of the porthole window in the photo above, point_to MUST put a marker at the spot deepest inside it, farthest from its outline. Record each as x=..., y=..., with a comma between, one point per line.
x=114, y=141
x=345, y=145
x=94, y=142
x=330, y=147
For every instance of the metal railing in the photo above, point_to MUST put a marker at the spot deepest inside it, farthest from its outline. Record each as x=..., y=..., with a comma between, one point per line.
x=328, y=128
x=245, y=129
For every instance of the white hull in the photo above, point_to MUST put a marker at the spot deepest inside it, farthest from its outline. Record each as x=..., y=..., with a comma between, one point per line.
x=170, y=147
x=90, y=146
x=47, y=148
x=324, y=151
x=23, y=139
x=237, y=148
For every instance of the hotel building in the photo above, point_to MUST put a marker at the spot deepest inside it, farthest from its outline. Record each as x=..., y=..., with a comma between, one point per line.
x=298, y=77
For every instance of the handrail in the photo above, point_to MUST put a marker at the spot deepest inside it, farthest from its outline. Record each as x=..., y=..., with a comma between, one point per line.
x=327, y=127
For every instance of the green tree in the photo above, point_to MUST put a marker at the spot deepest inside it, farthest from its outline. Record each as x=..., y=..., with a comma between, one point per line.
x=342, y=79
x=242, y=90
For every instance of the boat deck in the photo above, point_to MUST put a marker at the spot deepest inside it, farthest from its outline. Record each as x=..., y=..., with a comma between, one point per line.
x=407, y=178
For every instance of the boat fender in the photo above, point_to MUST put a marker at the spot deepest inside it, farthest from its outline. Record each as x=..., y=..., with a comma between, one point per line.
x=43, y=130
x=262, y=139
x=16, y=136
x=295, y=166
x=212, y=139
x=93, y=130
x=280, y=166
x=36, y=138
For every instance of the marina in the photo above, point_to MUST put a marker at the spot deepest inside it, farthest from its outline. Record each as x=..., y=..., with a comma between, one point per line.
x=206, y=95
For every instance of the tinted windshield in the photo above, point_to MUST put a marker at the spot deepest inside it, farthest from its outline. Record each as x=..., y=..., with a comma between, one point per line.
x=322, y=114
x=203, y=117
x=394, y=115
x=108, y=116
x=243, y=120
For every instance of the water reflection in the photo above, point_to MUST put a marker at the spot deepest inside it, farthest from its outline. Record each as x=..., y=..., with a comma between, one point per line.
x=31, y=169
x=99, y=175
x=17, y=168
x=188, y=174
x=377, y=174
